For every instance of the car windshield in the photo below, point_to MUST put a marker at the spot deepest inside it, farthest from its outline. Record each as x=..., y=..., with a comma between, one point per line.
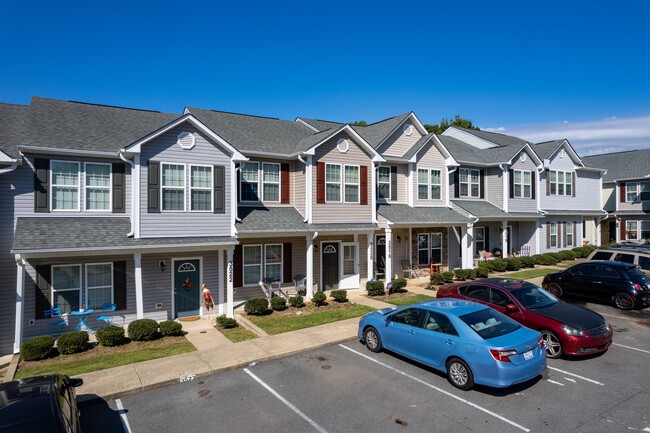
x=490, y=323
x=533, y=297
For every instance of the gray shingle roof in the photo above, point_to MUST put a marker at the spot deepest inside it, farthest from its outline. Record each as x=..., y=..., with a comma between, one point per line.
x=321, y=125
x=631, y=164
x=547, y=148
x=270, y=219
x=405, y=214
x=14, y=127
x=484, y=209
x=463, y=152
x=417, y=145
x=496, y=138
x=105, y=233
x=378, y=131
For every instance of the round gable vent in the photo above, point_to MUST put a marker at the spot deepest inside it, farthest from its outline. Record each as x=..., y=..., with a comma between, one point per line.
x=186, y=140
x=523, y=157
x=342, y=145
x=408, y=129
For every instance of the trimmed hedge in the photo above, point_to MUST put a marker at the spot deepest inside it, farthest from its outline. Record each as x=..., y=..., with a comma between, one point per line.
x=296, y=301
x=110, y=336
x=499, y=265
x=447, y=277
x=398, y=285
x=339, y=295
x=437, y=280
x=567, y=255
x=557, y=256
x=72, y=342
x=487, y=266
x=169, y=328
x=319, y=298
x=226, y=322
x=375, y=288
x=549, y=259
x=36, y=348
x=256, y=306
x=462, y=274
x=527, y=262
x=278, y=303
x=143, y=330
x=513, y=264
x=482, y=272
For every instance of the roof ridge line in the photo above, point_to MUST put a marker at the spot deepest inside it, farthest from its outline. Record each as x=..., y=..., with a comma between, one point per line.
x=241, y=114
x=115, y=106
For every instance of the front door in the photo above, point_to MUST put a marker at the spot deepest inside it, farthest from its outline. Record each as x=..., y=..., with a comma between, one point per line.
x=187, y=286
x=381, y=255
x=330, y=265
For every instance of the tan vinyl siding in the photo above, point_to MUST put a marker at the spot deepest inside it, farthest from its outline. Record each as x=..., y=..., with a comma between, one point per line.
x=430, y=158
x=399, y=143
x=298, y=177
x=609, y=197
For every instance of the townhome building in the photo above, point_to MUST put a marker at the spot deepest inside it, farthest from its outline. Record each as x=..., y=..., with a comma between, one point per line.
x=625, y=195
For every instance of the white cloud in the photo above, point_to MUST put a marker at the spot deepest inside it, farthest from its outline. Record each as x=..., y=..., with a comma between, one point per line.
x=599, y=136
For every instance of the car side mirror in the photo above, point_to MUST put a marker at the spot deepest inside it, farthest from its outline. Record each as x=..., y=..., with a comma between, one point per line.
x=511, y=308
x=388, y=319
x=75, y=382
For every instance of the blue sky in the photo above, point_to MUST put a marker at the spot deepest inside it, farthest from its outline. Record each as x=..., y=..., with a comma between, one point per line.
x=576, y=68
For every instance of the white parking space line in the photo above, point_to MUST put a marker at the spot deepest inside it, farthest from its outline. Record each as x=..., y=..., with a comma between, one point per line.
x=554, y=382
x=632, y=319
x=286, y=402
x=576, y=375
x=123, y=418
x=570, y=380
x=633, y=348
x=469, y=403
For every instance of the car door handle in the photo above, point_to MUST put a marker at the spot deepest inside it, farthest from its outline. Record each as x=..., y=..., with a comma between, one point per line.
x=411, y=332
x=450, y=342
x=597, y=282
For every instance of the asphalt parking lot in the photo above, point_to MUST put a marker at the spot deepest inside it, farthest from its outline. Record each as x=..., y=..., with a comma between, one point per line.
x=345, y=387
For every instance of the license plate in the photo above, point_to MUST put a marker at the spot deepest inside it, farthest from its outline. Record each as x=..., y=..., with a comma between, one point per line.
x=528, y=355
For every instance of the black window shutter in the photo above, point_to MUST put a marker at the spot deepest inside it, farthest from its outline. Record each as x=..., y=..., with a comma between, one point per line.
x=511, y=177
x=573, y=184
x=482, y=183
x=43, y=289
x=457, y=183
x=41, y=185
x=393, y=182
x=487, y=238
x=287, y=261
x=119, y=285
x=219, y=189
x=237, y=266
x=533, y=181
x=153, y=187
x=118, y=188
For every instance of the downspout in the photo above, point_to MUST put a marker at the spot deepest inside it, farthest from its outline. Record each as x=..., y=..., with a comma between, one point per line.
x=447, y=194
x=9, y=169
x=307, y=195
x=504, y=188
x=237, y=198
x=133, y=185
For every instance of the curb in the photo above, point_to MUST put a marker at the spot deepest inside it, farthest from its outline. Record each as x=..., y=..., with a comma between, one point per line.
x=13, y=366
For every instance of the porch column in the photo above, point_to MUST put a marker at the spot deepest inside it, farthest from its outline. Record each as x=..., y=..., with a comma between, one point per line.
x=598, y=232
x=20, y=306
x=410, y=241
x=389, y=255
x=310, y=267
x=369, y=252
x=222, y=278
x=229, y=288
x=504, y=240
x=469, y=248
x=139, y=305
x=464, y=239
x=618, y=230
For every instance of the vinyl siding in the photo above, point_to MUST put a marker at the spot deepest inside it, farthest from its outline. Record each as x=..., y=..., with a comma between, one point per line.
x=175, y=224
x=587, y=196
x=577, y=230
x=399, y=143
x=523, y=204
x=402, y=183
x=609, y=197
x=292, y=188
x=430, y=158
x=453, y=242
x=493, y=191
x=400, y=251
x=643, y=206
x=298, y=187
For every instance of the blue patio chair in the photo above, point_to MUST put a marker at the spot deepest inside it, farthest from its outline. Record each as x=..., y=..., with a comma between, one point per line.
x=57, y=325
x=108, y=312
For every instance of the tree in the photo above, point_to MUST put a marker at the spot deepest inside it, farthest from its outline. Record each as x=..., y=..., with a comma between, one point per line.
x=446, y=123
x=359, y=123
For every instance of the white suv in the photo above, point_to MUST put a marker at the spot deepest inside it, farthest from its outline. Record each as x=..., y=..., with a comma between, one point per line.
x=634, y=254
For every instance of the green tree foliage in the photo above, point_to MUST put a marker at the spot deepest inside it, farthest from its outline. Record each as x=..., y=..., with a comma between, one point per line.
x=446, y=123
x=359, y=123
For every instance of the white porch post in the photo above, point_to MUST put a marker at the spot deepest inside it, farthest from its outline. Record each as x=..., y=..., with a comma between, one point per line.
x=469, y=250
x=389, y=255
x=20, y=306
x=369, y=251
x=464, y=239
x=229, y=287
x=618, y=230
x=504, y=240
x=599, y=239
x=310, y=267
x=139, y=305
x=410, y=241
x=222, y=278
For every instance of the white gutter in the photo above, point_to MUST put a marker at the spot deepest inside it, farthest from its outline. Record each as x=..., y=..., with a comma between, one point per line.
x=133, y=188
x=313, y=238
x=9, y=169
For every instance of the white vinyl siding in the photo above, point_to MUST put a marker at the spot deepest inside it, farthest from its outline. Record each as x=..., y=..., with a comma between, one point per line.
x=271, y=182
x=65, y=185
x=98, y=186
x=383, y=183
x=99, y=284
x=249, y=181
x=201, y=190
x=173, y=187
x=66, y=287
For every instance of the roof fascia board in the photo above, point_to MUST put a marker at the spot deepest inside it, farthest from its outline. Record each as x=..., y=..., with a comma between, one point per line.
x=601, y=170
x=482, y=164
x=299, y=120
x=57, y=151
x=421, y=129
x=376, y=157
x=6, y=158
x=570, y=148
x=270, y=154
x=126, y=248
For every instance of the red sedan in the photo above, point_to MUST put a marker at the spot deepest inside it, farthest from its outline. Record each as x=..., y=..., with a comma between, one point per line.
x=566, y=328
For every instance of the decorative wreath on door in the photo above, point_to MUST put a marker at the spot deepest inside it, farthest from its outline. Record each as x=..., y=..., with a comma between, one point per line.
x=187, y=284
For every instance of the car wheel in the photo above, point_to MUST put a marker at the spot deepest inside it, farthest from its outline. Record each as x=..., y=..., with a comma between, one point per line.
x=373, y=342
x=623, y=301
x=554, y=289
x=551, y=344
x=459, y=374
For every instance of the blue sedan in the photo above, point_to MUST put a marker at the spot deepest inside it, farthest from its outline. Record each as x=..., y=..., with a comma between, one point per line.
x=470, y=342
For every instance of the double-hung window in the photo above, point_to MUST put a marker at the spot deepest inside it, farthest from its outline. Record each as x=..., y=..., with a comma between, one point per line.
x=631, y=230
x=173, y=187
x=436, y=247
x=631, y=191
x=645, y=229
x=249, y=181
x=99, y=284
x=423, y=184
x=479, y=238
x=470, y=182
x=66, y=287
x=349, y=259
x=252, y=255
x=201, y=188
x=569, y=234
x=271, y=181
x=423, y=249
x=98, y=186
x=561, y=182
x=273, y=261
x=522, y=184
x=351, y=183
x=644, y=191
x=553, y=235
x=332, y=182
x=65, y=185
x=383, y=183
x=436, y=185
x=429, y=184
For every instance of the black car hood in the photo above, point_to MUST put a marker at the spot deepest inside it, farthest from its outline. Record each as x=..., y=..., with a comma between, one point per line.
x=572, y=315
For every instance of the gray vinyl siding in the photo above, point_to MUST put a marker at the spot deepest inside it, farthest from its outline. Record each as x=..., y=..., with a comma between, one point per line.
x=430, y=158
x=399, y=143
x=298, y=187
x=523, y=204
x=526, y=234
x=453, y=247
x=293, y=165
x=638, y=206
x=587, y=190
x=494, y=186
x=363, y=257
x=175, y=224
x=577, y=231
x=341, y=212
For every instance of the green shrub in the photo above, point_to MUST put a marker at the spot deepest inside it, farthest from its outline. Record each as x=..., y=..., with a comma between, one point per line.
x=226, y=322
x=256, y=306
x=549, y=259
x=437, y=280
x=556, y=256
x=375, y=288
x=339, y=295
x=447, y=277
x=143, y=330
x=36, y=348
x=319, y=298
x=169, y=328
x=398, y=285
x=461, y=274
x=472, y=274
x=278, y=303
x=296, y=301
x=538, y=258
x=110, y=336
x=482, y=272
x=487, y=266
x=513, y=264
x=527, y=262
x=567, y=255
x=72, y=342
x=499, y=265
x=582, y=252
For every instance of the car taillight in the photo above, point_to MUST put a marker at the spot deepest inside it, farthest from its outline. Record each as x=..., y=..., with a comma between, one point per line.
x=502, y=355
x=540, y=342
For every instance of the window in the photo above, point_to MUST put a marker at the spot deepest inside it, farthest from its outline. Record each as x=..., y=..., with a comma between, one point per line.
x=553, y=235
x=349, y=258
x=423, y=249
x=497, y=297
x=351, y=183
x=409, y=317
x=436, y=247
x=624, y=258
x=98, y=187
x=587, y=269
x=99, y=285
x=645, y=229
x=252, y=264
x=480, y=293
x=569, y=233
x=609, y=272
x=644, y=193
x=631, y=191
x=273, y=262
x=469, y=182
x=439, y=323
x=249, y=185
x=429, y=184
x=644, y=262
x=631, y=228
x=332, y=183
x=522, y=183
x=383, y=183
x=201, y=188
x=561, y=182
x=423, y=184
x=479, y=239
x=602, y=255
x=271, y=182
x=173, y=187
x=66, y=287
x=65, y=185
x=436, y=185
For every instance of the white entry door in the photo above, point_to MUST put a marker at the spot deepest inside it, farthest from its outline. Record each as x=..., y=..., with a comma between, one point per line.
x=350, y=265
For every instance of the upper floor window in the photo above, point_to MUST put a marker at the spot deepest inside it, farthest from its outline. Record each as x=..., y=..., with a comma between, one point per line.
x=522, y=183
x=383, y=183
x=351, y=184
x=637, y=191
x=429, y=184
x=271, y=181
x=173, y=187
x=561, y=182
x=342, y=183
x=470, y=182
x=65, y=185
x=332, y=182
x=98, y=186
x=250, y=181
x=201, y=188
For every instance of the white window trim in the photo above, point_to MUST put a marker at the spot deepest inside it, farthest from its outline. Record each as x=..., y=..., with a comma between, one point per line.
x=428, y=249
x=260, y=176
x=390, y=174
x=551, y=234
x=569, y=232
x=202, y=188
x=339, y=183
x=567, y=175
x=86, y=287
x=431, y=248
x=476, y=230
x=627, y=230
x=428, y=184
x=53, y=290
x=355, y=259
x=242, y=181
x=109, y=187
x=163, y=187
x=522, y=184
x=469, y=183
x=243, y=264
x=637, y=195
x=51, y=192
x=275, y=264
x=345, y=183
x=431, y=184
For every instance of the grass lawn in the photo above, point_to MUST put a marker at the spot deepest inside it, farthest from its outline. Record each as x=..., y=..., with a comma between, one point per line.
x=237, y=334
x=531, y=273
x=273, y=324
x=86, y=365
x=409, y=300
x=566, y=265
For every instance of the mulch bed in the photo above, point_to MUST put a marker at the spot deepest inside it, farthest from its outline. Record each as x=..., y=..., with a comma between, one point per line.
x=392, y=296
x=307, y=309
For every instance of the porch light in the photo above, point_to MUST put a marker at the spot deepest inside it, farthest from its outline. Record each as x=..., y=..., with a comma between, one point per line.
x=399, y=238
x=161, y=264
